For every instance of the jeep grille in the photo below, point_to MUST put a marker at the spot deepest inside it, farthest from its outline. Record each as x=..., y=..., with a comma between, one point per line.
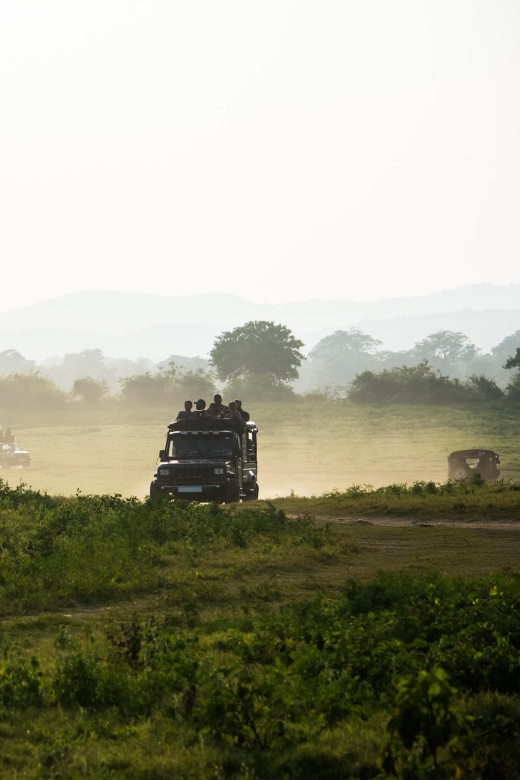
x=192, y=475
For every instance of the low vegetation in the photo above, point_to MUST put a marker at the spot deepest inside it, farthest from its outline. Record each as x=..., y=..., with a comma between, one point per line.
x=421, y=384
x=166, y=639
x=58, y=552
x=471, y=499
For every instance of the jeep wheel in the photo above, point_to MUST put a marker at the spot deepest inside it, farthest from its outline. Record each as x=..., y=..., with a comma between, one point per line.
x=252, y=494
x=459, y=472
x=231, y=493
x=154, y=491
x=6, y=464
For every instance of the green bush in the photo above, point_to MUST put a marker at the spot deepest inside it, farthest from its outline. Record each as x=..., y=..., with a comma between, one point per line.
x=437, y=660
x=419, y=385
x=90, y=390
x=148, y=389
x=30, y=391
x=485, y=387
x=57, y=551
x=513, y=389
x=20, y=683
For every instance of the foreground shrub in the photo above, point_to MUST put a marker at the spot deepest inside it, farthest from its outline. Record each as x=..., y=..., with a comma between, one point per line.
x=436, y=660
x=56, y=551
x=20, y=683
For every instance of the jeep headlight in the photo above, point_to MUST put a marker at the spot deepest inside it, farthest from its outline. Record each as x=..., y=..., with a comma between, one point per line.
x=164, y=472
x=219, y=471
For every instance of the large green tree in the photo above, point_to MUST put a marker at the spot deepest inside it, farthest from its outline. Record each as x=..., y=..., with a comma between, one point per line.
x=443, y=348
x=12, y=362
x=342, y=343
x=257, y=349
x=337, y=358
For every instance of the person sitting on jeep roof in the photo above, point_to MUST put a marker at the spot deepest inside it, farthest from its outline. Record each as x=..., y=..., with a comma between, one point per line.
x=242, y=412
x=218, y=403
x=200, y=408
x=183, y=415
x=212, y=411
x=232, y=412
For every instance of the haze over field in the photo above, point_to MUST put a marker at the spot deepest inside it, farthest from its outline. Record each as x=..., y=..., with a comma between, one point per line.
x=171, y=171
x=282, y=153
x=309, y=448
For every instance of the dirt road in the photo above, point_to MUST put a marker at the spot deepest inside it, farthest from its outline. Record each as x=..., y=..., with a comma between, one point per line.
x=404, y=522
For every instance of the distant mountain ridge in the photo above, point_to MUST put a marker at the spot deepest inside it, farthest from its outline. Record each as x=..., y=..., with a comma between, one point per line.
x=120, y=312
x=140, y=324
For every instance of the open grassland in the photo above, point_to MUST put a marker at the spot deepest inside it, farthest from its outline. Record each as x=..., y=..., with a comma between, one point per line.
x=305, y=447
x=165, y=639
x=155, y=640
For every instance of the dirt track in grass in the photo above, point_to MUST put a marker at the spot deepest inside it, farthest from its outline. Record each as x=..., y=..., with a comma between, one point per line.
x=401, y=522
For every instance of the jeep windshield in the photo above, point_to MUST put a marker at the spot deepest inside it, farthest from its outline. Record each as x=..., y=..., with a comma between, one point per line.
x=182, y=447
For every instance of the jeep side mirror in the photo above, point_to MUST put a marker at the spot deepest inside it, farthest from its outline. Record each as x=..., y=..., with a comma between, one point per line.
x=162, y=454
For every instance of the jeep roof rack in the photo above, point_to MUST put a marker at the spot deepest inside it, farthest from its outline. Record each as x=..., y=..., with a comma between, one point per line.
x=207, y=424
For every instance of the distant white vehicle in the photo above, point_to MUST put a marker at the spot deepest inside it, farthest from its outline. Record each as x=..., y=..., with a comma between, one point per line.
x=13, y=455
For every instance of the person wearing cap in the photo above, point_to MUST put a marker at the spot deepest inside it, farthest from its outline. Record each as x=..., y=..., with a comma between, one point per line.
x=200, y=407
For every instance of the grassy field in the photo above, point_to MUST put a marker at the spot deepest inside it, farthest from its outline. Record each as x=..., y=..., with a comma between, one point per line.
x=309, y=448
x=147, y=641
x=159, y=640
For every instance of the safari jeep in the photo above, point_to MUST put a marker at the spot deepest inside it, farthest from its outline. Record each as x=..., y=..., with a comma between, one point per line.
x=208, y=460
x=463, y=464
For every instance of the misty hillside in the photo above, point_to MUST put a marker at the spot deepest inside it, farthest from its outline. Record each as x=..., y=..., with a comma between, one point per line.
x=138, y=324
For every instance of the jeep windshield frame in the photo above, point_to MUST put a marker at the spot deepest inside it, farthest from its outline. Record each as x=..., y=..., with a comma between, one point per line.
x=193, y=445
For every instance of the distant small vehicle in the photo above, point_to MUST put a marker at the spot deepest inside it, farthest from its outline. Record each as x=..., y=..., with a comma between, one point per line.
x=13, y=455
x=464, y=464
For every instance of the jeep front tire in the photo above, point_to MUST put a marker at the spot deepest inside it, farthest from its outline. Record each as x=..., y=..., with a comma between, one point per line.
x=231, y=493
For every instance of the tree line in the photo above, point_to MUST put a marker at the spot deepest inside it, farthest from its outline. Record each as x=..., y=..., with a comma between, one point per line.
x=262, y=360
x=338, y=358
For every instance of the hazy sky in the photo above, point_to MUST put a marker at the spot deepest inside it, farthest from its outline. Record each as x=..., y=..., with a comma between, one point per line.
x=278, y=150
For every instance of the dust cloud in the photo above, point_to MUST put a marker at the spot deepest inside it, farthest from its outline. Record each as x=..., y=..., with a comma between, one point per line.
x=306, y=450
